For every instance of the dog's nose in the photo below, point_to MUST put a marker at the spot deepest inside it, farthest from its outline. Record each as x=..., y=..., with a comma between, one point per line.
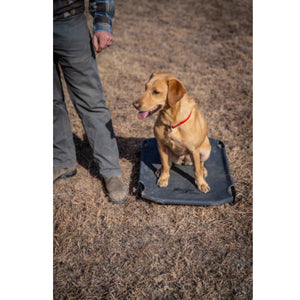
x=136, y=104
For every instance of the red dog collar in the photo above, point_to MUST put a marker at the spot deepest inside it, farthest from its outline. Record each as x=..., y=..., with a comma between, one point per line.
x=174, y=126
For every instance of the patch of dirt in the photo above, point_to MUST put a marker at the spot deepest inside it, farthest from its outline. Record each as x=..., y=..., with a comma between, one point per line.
x=141, y=250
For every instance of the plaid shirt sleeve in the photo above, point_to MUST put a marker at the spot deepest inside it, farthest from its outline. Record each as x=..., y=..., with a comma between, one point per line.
x=103, y=12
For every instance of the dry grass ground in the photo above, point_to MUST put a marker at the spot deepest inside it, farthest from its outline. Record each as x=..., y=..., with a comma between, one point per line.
x=141, y=250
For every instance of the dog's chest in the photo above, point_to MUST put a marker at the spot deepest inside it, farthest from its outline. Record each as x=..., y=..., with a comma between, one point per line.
x=175, y=143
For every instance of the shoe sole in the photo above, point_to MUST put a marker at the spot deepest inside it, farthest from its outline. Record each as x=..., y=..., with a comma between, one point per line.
x=67, y=175
x=118, y=202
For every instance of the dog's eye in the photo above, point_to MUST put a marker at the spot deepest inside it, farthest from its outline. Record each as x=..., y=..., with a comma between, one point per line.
x=155, y=92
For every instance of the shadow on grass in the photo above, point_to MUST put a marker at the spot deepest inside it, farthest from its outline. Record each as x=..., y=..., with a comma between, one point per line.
x=129, y=149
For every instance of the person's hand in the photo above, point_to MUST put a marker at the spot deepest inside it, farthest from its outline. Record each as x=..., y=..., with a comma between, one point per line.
x=101, y=40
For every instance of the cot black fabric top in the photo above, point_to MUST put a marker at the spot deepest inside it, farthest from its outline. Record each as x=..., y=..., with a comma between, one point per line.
x=182, y=188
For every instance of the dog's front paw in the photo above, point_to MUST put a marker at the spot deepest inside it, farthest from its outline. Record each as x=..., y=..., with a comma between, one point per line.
x=203, y=186
x=163, y=181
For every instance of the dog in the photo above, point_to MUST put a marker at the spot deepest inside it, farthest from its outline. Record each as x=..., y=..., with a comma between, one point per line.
x=180, y=129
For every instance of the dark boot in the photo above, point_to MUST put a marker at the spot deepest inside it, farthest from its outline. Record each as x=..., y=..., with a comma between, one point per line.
x=59, y=173
x=116, y=188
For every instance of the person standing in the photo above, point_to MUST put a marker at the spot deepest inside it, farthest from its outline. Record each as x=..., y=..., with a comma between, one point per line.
x=74, y=50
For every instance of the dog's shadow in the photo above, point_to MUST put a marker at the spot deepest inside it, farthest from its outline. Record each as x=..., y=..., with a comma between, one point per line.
x=129, y=149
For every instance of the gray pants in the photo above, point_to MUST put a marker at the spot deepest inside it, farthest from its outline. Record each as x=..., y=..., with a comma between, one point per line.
x=73, y=51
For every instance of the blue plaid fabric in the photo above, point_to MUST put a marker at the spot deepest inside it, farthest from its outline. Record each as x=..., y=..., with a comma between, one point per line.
x=103, y=12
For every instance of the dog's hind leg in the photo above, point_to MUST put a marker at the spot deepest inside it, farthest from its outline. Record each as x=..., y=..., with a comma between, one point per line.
x=205, y=150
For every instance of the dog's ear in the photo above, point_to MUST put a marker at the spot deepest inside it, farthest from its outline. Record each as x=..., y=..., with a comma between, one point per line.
x=175, y=91
x=155, y=73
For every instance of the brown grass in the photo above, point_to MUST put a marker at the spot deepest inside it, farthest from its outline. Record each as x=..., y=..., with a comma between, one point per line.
x=141, y=250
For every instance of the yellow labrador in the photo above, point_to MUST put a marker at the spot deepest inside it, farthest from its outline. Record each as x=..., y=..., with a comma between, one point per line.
x=180, y=129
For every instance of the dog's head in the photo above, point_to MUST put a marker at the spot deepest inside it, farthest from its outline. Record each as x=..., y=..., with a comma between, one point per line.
x=161, y=91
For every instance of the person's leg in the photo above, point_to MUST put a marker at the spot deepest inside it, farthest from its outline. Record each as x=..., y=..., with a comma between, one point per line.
x=64, y=155
x=77, y=59
x=81, y=74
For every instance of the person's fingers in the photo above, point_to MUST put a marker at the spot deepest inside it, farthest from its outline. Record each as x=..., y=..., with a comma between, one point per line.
x=103, y=42
x=96, y=44
x=111, y=39
x=109, y=42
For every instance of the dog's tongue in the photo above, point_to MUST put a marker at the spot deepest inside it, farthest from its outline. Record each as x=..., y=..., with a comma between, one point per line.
x=143, y=115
